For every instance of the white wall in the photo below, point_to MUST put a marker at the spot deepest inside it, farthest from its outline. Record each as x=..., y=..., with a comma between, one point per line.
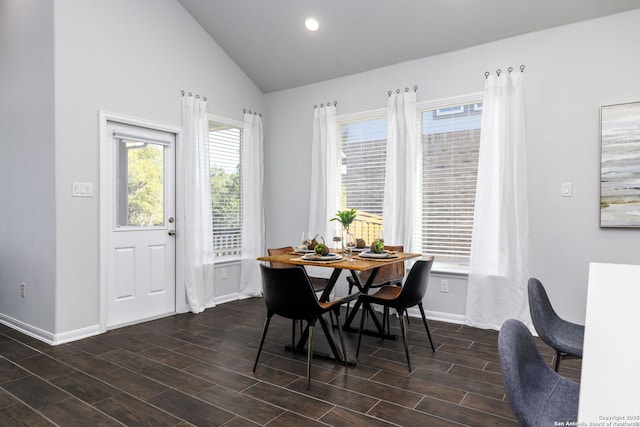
x=63, y=62
x=27, y=230
x=570, y=72
x=132, y=58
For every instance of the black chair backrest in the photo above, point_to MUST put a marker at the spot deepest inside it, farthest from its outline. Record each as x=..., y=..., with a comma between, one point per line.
x=415, y=286
x=543, y=315
x=289, y=293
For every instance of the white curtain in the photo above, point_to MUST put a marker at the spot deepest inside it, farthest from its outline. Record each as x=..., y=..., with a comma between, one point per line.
x=324, y=170
x=401, y=170
x=198, y=234
x=253, y=229
x=499, y=264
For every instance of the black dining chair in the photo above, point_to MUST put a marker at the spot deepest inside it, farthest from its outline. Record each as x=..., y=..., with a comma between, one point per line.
x=391, y=274
x=288, y=293
x=564, y=337
x=400, y=299
x=538, y=396
x=319, y=283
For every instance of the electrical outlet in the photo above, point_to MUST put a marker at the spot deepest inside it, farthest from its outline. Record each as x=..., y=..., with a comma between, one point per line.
x=23, y=290
x=223, y=273
x=444, y=286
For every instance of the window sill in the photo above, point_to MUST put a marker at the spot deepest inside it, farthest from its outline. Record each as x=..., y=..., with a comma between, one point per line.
x=450, y=269
x=225, y=260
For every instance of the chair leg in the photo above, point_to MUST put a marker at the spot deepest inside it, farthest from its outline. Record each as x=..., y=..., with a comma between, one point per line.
x=364, y=311
x=385, y=321
x=344, y=347
x=264, y=335
x=556, y=363
x=333, y=325
x=424, y=320
x=293, y=335
x=309, y=356
x=403, y=327
x=349, y=302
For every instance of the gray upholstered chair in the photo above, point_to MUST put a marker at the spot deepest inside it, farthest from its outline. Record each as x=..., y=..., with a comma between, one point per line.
x=538, y=395
x=564, y=337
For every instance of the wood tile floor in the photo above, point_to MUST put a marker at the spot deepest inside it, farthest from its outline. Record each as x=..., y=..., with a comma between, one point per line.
x=197, y=370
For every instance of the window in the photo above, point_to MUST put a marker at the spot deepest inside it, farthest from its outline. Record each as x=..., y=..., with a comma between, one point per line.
x=362, y=166
x=450, y=144
x=449, y=134
x=226, y=202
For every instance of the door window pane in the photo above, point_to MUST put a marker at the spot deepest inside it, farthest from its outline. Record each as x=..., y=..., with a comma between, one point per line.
x=140, y=201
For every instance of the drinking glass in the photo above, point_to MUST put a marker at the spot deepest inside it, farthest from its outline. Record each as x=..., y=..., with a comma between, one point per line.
x=337, y=242
x=351, y=244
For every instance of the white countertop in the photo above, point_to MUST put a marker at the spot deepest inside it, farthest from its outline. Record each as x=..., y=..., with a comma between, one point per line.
x=610, y=381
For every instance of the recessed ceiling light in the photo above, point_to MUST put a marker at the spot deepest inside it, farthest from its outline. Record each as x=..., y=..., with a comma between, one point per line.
x=311, y=23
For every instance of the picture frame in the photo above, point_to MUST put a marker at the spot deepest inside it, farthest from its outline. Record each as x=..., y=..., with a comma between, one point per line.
x=620, y=165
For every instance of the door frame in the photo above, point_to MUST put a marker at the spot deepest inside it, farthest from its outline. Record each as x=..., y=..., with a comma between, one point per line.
x=107, y=188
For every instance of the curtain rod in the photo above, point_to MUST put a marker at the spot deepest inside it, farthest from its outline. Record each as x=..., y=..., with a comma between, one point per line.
x=335, y=104
x=406, y=89
x=498, y=71
x=255, y=113
x=204, y=98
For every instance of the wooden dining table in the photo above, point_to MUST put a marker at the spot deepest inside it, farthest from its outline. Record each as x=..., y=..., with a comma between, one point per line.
x=353, y=264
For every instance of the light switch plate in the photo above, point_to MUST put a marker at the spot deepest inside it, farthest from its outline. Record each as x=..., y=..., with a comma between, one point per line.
x=82, y=189
x=566, y=189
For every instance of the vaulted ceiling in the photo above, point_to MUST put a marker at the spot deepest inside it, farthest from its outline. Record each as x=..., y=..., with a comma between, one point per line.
x=268, y=41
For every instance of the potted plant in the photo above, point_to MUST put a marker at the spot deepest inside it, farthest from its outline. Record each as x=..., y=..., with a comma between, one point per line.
x=345, y=218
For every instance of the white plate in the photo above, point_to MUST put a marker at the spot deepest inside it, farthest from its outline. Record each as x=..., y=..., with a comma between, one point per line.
x=316, y=257
x=369, y=254
x=303, y=251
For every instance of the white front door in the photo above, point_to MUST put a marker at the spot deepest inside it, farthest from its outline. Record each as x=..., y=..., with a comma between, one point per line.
x=141, y=258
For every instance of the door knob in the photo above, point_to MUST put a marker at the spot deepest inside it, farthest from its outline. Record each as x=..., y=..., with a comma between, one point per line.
x=172, y=232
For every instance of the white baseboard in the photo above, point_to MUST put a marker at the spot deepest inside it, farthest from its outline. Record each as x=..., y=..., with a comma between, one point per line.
x=235, y=296
x=439, y=316
x=77, y=334
x=27, y=329
x=48, y=337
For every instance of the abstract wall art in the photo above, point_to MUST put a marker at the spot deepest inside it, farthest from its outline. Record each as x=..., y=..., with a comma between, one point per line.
x=620, y=165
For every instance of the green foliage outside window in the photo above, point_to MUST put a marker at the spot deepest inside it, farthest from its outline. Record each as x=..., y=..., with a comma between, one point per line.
x=145, y=186
x=225, y=198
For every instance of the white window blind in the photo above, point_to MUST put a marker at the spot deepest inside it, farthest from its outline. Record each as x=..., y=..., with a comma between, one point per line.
x=224, y=156
x=362, y=170
x=450, y=141
x=449, y=132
